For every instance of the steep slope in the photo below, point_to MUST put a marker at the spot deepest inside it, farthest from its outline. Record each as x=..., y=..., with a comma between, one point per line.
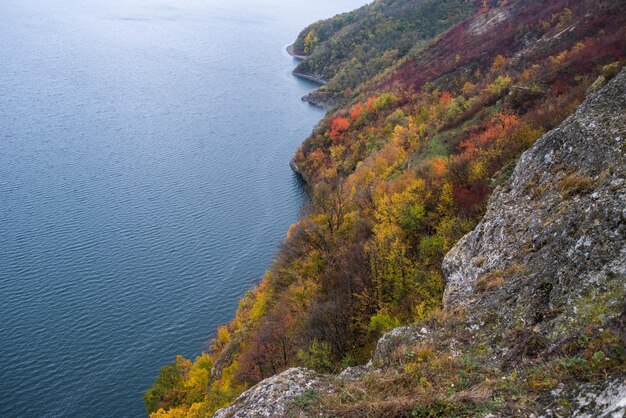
x=533, y=51
x=397, y=175
x=350, y=48
x=535, y=314
x=555, y=232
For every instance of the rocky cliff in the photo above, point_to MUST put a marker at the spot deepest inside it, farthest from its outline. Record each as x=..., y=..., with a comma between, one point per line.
x=549, y=253
x=534, y=309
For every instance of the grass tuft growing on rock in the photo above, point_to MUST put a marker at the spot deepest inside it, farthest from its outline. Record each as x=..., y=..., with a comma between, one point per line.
x=574, y=184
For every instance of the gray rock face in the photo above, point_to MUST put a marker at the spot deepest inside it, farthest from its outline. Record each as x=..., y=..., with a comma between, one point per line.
x=271, y=397
x=608, y=402
x=393, y=339
x=604, y=400
x=552, y=242
x=356, y=372
x=323, y=99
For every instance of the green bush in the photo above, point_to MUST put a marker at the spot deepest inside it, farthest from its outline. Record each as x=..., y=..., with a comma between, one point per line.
x=317, y=357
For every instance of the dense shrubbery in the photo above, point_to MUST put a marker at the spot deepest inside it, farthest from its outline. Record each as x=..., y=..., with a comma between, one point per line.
x=397, y=176
x=350, y=48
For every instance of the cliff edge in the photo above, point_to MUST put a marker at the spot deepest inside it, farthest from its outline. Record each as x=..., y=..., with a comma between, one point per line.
x=552, y=239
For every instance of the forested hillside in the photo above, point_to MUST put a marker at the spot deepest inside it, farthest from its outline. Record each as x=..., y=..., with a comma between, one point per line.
x=534, y=317
x=351, y=48
x=438, y=99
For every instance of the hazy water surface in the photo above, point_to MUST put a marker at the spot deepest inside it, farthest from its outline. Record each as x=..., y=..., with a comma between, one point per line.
x=144, y=185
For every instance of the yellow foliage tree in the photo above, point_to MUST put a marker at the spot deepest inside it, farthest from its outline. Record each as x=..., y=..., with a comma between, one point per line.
x=310, y=42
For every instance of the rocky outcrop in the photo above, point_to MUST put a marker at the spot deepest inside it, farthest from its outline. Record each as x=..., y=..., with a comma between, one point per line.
x=487, y=21
x=393, y=339
x=550, y=253
x=294, y=167
x=272, y=396
x=319, y=97
x=605, y=400
x=322, y=99
x=309, y=76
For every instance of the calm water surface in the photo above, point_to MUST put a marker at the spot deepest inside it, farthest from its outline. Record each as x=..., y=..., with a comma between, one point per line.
x=144, y=185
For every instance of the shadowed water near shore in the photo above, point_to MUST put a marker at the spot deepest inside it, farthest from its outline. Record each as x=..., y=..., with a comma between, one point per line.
x=144, y=186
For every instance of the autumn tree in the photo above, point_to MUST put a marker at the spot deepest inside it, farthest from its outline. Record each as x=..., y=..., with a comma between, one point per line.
x=310, y=42
x=337, y=127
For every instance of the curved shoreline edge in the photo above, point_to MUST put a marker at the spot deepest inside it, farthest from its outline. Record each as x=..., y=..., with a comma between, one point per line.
x=307, y=98
x=311, y=77
x=291, y=52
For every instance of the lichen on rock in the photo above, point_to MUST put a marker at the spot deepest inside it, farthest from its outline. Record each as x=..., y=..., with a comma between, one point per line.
x=550, y=252
x=391, y=340
x=271, y=397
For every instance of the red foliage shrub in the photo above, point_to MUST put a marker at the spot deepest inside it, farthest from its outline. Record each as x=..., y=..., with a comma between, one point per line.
x=337, y=127
x=446, y=98
x=471, y=200
x=356, y=111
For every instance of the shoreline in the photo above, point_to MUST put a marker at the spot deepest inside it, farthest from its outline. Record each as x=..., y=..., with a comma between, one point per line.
x=310, y=97
x=313, y=78
x=310, y=77
x=293, y=54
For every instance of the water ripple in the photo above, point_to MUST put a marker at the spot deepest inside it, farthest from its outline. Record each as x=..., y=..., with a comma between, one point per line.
x=144, y=186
